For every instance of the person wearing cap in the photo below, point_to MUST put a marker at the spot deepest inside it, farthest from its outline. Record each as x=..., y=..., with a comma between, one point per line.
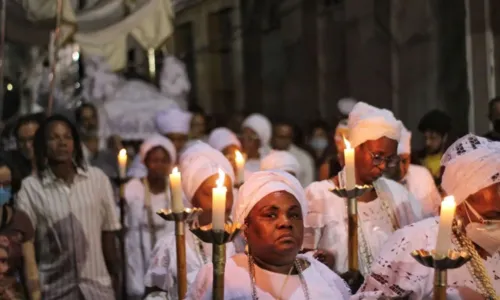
x=271, y=206
x=255, y=139
x=417, y=179
x=281, y=161
x=472, y=176
x=175, y=124
x=388, y=206
x=200, y=166
x=144, y=197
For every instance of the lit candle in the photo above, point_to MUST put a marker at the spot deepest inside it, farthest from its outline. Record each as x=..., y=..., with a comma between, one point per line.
x=176, y=190
x=122, y=163
x=443, y=243
x=350, y=171
x=240, y=167
x=219, y=203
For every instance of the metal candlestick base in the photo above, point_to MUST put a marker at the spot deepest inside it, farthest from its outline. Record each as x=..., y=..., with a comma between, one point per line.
x=441, y=264
x=218, y=239
x=187, y=215
x=358, y=191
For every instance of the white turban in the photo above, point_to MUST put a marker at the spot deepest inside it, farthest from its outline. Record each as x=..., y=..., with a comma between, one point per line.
x=280, y=160
x=262, y=127
x=158, y=140
x=263, y=183
x=199, y=162
x=472, y=163
x=173, y=120
x=404, y=146
x=221, y=137
x=345, y=105
x=367, y=123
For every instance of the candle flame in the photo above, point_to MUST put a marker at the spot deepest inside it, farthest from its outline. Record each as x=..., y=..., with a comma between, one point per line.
x=239, y=156
x=175, y=170
x=221, y=179
x=122, y=154
x=346, y=143
x=450, y=200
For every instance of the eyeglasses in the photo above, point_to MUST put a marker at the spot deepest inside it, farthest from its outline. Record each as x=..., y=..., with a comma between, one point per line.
x=391, y=161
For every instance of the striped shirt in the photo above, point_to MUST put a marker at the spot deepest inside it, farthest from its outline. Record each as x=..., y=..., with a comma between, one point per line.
x=69, y=220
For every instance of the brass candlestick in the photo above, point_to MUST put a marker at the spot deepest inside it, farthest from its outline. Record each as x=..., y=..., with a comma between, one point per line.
x=121, y=205
x=219, y=239
x=441, y=264
x=352, y=221
x=180, y=218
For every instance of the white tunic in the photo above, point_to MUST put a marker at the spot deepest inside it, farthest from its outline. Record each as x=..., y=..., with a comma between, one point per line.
x=396, y=272
x=306, y=161
x=395, y=207
x=420, y=183
x=138, y=235
x=322, y=283
x=162, y=270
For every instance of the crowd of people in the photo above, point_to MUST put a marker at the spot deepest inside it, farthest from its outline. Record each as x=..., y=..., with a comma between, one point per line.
x=60, y=226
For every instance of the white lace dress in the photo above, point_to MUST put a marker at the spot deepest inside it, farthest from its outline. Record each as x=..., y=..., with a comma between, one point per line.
x=395, y=272
x=395, y=207
x=420, y=183
x=322, y=283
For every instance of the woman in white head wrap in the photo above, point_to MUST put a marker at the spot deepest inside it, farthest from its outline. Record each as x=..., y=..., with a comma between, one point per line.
x=199, y=167
x=472, y=176
x=374, y=133
x=282, y=161
x=145, y=196
x=227, y=142
x=417, y=179
x=255, y=138
x=271, y=205
x=175, y=124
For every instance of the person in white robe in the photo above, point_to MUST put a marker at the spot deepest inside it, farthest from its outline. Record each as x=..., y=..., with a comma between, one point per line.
x=282, y=161
x=199, y=166
x=255, y=138
x=374, y=133
x=417, y=179
x=472, y=176
x=173, y=124
x=271, y=205
x=144, y=197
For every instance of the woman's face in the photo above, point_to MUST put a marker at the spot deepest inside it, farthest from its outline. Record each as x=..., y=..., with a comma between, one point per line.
x=198, y=126
x=5, y=177
x=4, y=262
x=275, y=228
x=203, y=198
x=158, y=163
x=373, y=157
x=250, y=141
x=60, y=143
x=486, y=202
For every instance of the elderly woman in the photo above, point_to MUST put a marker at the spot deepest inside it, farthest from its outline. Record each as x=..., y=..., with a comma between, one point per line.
x=281, y=161
x=227, y=142
x=199, y=166
x=145, y=196
x=271, y=205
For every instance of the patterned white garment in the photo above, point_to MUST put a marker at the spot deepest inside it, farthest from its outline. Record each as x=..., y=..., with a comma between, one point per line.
x=420, y=183
x=162, y=270
x=395, y=207
x=69, y=221
x=322, y=283
x=138, y=235
x=395, y=272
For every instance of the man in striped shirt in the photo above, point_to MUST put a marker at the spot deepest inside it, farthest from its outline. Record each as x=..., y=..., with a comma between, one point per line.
x=72, y=209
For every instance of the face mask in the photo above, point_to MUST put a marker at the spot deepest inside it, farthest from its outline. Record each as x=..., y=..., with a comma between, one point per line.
x=496, y=125
x=319, y=143
x=486, y=234
x=5, y=195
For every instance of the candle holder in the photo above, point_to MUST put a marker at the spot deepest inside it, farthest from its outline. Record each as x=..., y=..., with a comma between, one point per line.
x=352, y=221
x=188, y=215
x=441, y=264
x=218, y=239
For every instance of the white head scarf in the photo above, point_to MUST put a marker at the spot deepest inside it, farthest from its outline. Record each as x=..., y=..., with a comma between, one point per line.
x=263, y=183
x=472, y=163
x=262, y=127
x=199, y=162
x=158, y=140
x=280, y=160
x=368, y=123
x=221, y=137
x=345, y=105
x=404, y=146
x=173, y=120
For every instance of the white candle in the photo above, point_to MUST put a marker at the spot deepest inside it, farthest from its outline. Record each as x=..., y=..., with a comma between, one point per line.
x=443, y=243
x=240, y=167
x=219, y=203
x=176, y=190
x=350, y=170
x=122, y=163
